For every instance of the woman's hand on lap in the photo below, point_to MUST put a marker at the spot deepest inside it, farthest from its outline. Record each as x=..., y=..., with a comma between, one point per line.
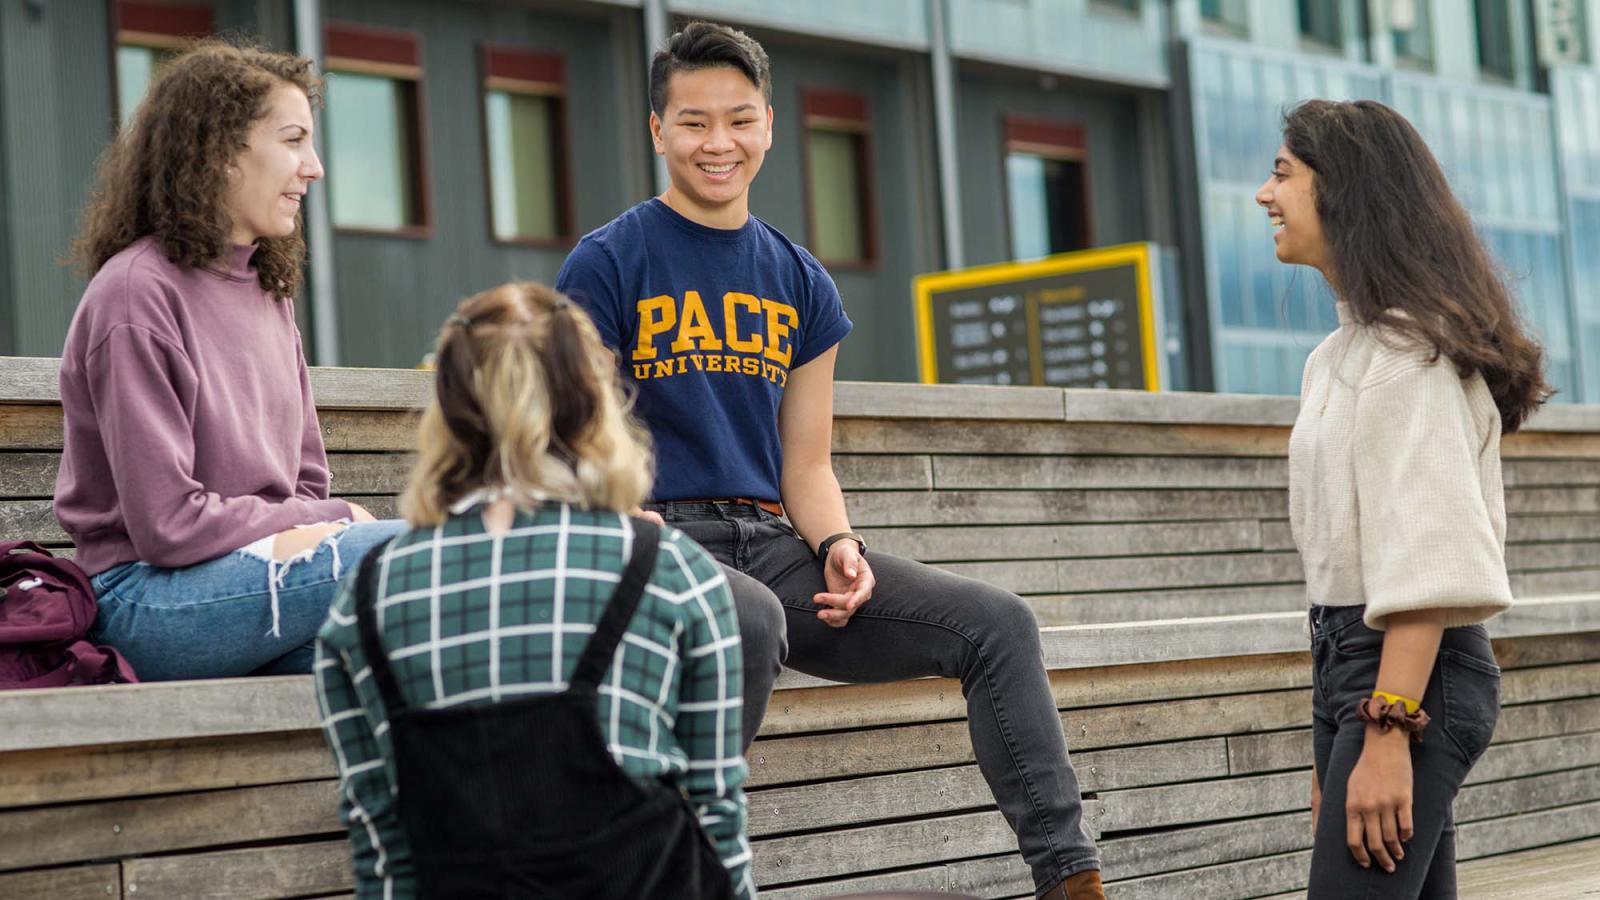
x=358, y=513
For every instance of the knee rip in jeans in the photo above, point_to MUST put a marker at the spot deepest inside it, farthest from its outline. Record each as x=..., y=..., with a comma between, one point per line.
x=278, y=569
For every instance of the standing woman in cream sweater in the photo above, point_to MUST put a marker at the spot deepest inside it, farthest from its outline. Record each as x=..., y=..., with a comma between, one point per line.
x=1395, y=494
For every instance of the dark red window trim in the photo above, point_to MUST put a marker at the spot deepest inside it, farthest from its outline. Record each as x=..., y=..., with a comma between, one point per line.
x=1067, y=137
x=830, y=105
x=173, y=18
x=532, y=66
x=390, y=46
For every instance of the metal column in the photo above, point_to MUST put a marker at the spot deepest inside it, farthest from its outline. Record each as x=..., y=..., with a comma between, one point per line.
x=319, y=229
x=655, y=37
x=944, y=120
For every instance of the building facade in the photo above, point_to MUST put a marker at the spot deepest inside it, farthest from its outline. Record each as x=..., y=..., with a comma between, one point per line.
x=469, y=142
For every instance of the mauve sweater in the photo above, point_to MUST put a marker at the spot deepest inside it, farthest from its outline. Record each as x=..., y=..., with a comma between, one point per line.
x=190, y=428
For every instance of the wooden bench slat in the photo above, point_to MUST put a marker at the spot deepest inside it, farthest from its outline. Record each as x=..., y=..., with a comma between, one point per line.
x=98, y=881
x=846, y=851
x=1001, y=507
x=1111, y=607
x=954, y=436
x=960, y=788
x=258, y=873
x=1549, y=826
x=101, y=830
x=1078, y=472
x=67, y=774
x=1019, y=542
x=1515, y=796
x=841, y=754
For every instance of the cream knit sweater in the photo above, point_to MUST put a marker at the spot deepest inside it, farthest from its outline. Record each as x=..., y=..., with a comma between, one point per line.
x=1395, y=495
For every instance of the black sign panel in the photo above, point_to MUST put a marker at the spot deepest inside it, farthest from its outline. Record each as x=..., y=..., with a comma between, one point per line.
x=1072, y=320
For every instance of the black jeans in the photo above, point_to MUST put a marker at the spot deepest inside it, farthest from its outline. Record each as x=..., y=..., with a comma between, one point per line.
x=920, y=621
x=1463, y=702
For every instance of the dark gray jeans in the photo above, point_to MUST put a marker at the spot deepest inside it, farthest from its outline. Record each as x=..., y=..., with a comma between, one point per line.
x=920, y=621
x=1463, y=702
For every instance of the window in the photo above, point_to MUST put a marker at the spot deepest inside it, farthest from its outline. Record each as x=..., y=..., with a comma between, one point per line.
x=524, y=113
x=1226, y=15
x=1047, y=187
x=1320, y=22
x=838, y=163
x=1413, y=33
x=151, y=34
x=374, y=131
x=1495, y=54
x=1131, y=6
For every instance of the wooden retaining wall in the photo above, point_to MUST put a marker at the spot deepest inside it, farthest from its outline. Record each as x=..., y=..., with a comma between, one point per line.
x=1148, y=531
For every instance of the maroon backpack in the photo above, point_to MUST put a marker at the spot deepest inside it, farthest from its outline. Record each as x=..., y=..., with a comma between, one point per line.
x=46, y=608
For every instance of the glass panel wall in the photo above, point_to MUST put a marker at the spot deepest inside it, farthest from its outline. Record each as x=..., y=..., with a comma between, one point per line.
x=1265, y=317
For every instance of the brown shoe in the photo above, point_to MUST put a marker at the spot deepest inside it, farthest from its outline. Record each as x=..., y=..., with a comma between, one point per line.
x=1084, y=885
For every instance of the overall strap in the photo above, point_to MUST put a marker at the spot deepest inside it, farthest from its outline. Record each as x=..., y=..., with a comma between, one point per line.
x=367, y=625
x=608, y=632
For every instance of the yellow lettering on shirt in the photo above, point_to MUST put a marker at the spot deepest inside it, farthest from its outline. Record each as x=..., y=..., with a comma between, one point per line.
x=732, y=302
x=694, y=329
x=656, y=316
x=781, y=320
x=664, y=368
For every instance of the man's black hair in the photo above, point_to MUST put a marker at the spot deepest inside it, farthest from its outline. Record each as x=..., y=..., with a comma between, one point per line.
x=705, y=45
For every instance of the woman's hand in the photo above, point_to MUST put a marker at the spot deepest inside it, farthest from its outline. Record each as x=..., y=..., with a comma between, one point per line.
x=358, y=513
x=1378, y=800
x=850, y=583
x=306, y=537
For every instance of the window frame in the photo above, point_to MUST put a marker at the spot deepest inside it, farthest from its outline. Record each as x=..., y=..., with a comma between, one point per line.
x=1410, y=61
x=539, y=73
x=1310, y=41
x=396, y=54
x=1062, y=140
x=153, y=25
x=842, y=111
x=1491, y=76
x=1223, y=26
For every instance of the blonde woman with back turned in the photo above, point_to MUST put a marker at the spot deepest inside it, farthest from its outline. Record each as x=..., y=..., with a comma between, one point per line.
x=553, y=707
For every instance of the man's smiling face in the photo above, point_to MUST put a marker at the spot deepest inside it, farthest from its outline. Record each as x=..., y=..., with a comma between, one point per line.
x=714, y=133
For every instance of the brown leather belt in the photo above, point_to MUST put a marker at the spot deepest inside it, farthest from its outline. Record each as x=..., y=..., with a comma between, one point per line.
x=768, y=505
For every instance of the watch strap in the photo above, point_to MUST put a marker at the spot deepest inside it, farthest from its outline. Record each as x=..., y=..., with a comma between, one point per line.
x=830, y=540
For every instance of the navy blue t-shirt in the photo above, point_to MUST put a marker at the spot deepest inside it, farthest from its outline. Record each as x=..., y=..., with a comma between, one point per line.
x=708, y=323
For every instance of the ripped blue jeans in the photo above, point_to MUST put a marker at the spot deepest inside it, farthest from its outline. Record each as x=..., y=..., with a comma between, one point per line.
x=243, y=613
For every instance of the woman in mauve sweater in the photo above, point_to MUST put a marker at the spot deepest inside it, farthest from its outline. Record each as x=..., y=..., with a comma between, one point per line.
x=1395, y=496
x=193, y=479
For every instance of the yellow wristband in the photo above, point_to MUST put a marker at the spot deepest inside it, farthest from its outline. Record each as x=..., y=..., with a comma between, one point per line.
x=1410, y=705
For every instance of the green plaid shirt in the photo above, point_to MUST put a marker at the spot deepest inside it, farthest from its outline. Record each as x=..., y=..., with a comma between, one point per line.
x=469, y=617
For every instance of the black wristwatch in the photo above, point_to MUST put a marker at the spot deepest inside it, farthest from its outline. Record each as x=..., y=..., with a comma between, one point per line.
x=828, y=542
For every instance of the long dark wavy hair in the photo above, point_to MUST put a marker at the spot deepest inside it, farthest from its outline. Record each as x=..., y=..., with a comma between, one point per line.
x=1403, y=250
x=165, y=175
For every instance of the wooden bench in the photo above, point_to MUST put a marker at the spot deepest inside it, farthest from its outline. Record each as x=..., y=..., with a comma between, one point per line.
x=1149, y=533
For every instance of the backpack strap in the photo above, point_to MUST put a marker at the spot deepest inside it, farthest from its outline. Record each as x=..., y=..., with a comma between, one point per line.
x=367, y=626
x=613, y=624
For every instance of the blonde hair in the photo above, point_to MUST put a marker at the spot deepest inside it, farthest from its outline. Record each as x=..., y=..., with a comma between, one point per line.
x=527, y=402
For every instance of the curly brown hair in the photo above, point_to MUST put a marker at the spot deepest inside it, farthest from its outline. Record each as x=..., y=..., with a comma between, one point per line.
x=165, y=174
